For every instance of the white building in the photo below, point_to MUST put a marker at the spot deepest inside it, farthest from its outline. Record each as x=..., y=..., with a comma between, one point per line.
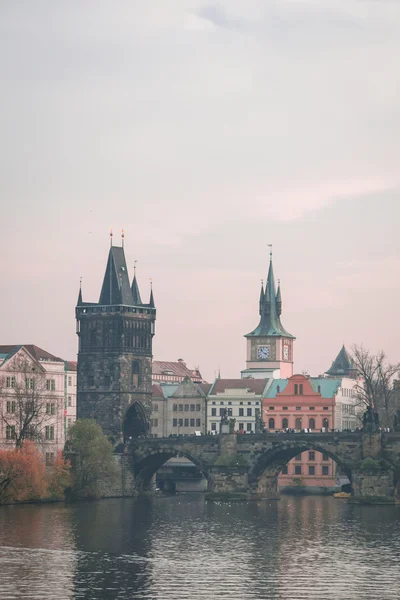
x=37, y=397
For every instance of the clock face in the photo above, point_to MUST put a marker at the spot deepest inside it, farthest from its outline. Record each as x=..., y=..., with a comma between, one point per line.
x=263, y=352
x=286, y=352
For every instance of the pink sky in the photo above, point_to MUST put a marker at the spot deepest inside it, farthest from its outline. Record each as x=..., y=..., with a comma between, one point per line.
x=206, y=130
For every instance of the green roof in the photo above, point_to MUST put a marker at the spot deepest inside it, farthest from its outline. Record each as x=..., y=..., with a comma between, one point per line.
x=328, y=387
x=273, y=388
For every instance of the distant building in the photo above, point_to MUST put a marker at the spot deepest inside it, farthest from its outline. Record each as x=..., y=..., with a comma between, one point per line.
x=31, y=376
x=179, y=408
x=269, y=345
x=315, y=404
x=342, y=366
x=174, y=372
x=240, y=398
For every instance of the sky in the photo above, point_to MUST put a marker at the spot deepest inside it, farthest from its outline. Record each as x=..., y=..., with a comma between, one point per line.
x=206, y=130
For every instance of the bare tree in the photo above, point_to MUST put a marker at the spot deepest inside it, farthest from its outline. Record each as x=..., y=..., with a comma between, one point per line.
x=375, y=388
x=26, y=401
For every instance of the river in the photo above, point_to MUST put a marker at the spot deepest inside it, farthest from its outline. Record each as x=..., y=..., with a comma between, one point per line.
x=181, y=547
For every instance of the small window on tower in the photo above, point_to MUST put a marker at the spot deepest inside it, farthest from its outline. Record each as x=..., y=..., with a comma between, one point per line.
x=135, y=373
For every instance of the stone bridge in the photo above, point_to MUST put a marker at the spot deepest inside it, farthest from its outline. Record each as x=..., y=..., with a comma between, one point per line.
x=250, y=464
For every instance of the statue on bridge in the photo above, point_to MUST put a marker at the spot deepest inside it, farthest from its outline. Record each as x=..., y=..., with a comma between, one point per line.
x=224, y=424
x=370, y=421
x=259, y=426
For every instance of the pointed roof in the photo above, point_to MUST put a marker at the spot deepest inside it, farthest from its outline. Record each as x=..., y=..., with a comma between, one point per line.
x=80, y=302
x=188, y=389
x=135, y=292
x=342, y=365
x=261, y=297
x=151, y=303
x=116, y=288
x=270, y=323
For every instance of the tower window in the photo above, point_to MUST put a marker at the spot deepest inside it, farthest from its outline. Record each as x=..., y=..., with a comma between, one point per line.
x=135, y=373
x=296, y=389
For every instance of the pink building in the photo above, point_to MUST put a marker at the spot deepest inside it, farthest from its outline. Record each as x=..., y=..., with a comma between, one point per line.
x=316, y=404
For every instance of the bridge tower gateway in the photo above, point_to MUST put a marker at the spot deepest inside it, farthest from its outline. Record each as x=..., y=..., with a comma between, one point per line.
x=115, y=354
x=269, y=345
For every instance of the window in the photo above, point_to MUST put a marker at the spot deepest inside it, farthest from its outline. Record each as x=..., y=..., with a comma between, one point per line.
x=135, y=373
x=186, y=407
x=50, y=408
x=325, y=470
x=10, y=382
x=69, y=400
x=50, y=385
x=271, y=424
x=297, y=470
x=192, y=407
x=30, y=384
x=311, y=470
x=213, y=412
x=249, y=403
x=325, y=423
x=10, y=432
x=241, y=412
x=301, y=389
x=155, y=407
x=311, y=423
x=298, y=423
x=319, y=389
x=298, y=457
x=191, y=422
x=154, y=422
x=271, y=408
x=214, y=402
x=325, y=456
x=249, y=412
x=312, y=407
x=49, y=432
x=180, y=407
x=174, y=422
x=107, y=380
x=69, y=380
x=229, y=402
x=11, y=406
x=284, y=470
x=180, y=422
x=90, y=380
x=229, y=412
x=298, y=407
x=198, y=407
x=325, y=408
x=221, y=412
x=49, y=459
x=213, y=427
x=174, y=407
x=285, y=423
x=284, y=407
x=241, y=403
x=311, y=455
x=296, y=389
x=248, y=426
x=241, y=426
x=186, y=422
x=221, y=403
x=198, y=423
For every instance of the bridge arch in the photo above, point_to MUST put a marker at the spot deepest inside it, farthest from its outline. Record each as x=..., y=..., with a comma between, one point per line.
x=266, y=466
x=135, y=423
x=147, y=461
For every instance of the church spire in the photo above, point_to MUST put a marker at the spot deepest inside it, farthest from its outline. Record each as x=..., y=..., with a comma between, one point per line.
x=262, y=296
x=116, y=288
x=279, y=300
x=80, y=302
x=135, y=288
x=151, y=303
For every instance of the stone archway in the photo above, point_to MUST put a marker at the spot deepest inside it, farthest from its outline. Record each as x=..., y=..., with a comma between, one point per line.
x=135, y=422
x=147, y=465
x=264, y=473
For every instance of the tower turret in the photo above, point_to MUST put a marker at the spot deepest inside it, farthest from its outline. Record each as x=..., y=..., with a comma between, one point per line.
x=262, y=298
x=279, y=300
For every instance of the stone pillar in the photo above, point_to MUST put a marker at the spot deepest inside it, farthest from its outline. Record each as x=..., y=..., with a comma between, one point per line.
x=265, y=487
x=227, y=444
x=371, y=445
x=228, y=482
x=373, y=487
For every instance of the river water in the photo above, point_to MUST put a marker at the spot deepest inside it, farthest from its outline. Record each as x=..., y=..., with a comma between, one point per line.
x=298, y=548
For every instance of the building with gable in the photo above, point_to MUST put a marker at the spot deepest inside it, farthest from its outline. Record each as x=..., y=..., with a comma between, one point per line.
x=174, y=372
x=37, y=397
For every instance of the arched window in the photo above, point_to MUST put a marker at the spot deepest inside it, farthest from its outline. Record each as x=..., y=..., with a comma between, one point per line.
x=285, y=423
x=311, y=423
x=296, y=389
x=278, y=389
x=298, y=423
x=271, y=424
x=135, y=373
x=325, y=423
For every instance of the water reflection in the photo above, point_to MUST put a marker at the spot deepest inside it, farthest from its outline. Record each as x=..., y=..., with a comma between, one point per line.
x=183, y=547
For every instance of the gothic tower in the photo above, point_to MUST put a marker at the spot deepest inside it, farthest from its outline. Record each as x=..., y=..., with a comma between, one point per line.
x=115, y=354
x=269, y=345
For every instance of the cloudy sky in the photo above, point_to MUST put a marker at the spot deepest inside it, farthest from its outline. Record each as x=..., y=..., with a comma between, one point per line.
x=206, y=130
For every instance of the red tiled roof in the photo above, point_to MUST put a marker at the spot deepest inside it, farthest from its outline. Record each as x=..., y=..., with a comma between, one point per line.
x=156, y=390
x=178, y=368
x=206, y=387
x=35, y=351
x=72, y=365
x=253, y=385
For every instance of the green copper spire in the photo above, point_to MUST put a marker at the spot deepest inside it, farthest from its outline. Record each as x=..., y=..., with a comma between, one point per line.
x=270, y=323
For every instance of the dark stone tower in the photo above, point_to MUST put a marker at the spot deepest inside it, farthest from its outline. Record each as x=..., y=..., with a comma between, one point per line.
x=115, y=354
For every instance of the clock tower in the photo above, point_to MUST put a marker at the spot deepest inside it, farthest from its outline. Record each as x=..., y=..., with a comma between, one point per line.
x=269, y=345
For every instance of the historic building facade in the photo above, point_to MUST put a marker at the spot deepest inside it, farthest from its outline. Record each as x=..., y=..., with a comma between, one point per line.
x=115, y=353
x=174, y=372
x=37, y=397
x=269, y=345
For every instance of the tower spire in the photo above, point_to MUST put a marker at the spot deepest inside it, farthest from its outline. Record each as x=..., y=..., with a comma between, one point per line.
x=151, y=303
x=135, y=287
x=279, y=299
x=111, y=238
x=262, y=297
x=79, y=303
